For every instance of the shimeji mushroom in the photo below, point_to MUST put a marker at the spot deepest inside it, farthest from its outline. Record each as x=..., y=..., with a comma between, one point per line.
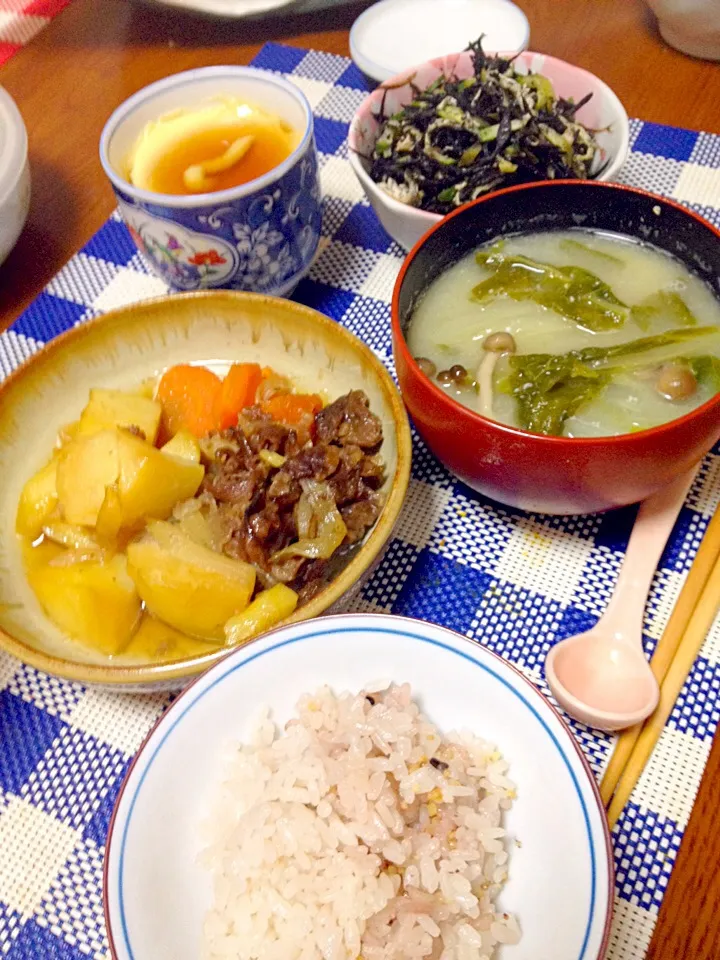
x=427, y=366
x=199, y=176
x=494, y=345
x=676, y=382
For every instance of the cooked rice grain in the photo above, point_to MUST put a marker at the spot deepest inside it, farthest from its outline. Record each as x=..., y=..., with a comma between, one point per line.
x=338, y=839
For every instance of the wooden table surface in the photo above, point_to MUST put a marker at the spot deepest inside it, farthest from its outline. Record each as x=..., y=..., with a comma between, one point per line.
x=97, y=52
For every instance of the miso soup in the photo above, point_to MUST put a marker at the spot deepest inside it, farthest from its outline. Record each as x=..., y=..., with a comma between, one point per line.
x=571, y=333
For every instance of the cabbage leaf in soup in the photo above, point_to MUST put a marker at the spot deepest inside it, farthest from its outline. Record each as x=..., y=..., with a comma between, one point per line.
x=706, y=370
x=663, y=303
x=634, y=348
x=549, y=388
x=573, y=292
x=573, y=246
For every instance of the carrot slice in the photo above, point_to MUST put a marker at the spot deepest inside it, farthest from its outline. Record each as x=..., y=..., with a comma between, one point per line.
x=189, y=396
x=237, y=392
x=292, y=408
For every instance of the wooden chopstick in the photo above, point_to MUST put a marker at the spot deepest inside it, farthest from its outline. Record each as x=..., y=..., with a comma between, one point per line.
x=692, y=640
x=667, y=646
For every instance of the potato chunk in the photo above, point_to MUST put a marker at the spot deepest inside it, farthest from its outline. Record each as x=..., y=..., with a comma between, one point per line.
x=267, y=609
x=183, y=445
x=37, y=502
x=95, y=603
x=151, y=482
x=187, y=585
x=67, y=432
x=119, y=480
x=110, y=515
x=86, y=466
x=113, y=408
x=71, y=536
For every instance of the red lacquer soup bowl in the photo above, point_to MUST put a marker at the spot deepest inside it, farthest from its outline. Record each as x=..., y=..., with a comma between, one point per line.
x=556, y=475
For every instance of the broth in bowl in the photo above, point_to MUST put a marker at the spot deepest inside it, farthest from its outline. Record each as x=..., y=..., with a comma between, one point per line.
x=570, y=333
x=215, y=146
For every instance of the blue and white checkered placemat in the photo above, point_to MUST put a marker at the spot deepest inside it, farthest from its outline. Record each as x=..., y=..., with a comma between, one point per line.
x=456, y=559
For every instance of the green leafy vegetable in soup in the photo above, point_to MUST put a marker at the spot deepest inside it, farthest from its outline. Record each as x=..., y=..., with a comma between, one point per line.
x=706, y=371
x=572, y=292
x=575, y=247
x=550, y=388
x=635, y=351
x=570, y=333
x=663, y=302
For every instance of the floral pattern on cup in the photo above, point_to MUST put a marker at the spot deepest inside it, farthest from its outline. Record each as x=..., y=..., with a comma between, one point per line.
x=187, y=260
x=263, y=242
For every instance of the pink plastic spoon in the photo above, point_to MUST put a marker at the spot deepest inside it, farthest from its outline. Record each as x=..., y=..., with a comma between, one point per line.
x=601, y=677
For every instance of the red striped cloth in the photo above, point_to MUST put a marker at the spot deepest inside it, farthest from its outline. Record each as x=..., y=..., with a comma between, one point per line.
x=20, y=20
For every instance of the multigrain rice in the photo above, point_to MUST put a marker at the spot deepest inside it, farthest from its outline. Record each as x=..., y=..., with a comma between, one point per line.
x=358, y=832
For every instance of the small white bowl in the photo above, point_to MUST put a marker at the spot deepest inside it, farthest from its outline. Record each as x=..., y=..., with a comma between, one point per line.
x=405, y=224
x=561, y=877
x=14, y=174
x=394, y=35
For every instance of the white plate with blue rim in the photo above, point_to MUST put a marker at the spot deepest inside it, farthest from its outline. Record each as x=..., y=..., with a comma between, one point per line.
x=560, y=884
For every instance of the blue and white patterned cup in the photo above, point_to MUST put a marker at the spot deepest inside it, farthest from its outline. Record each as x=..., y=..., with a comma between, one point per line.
x=261, y=236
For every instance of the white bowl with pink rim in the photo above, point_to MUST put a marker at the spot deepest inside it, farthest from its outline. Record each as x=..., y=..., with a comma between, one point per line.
x=560, y=872
x=603, y=113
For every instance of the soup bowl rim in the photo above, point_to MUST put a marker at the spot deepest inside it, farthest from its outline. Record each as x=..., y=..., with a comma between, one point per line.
x=455, y=406
x=218, y=197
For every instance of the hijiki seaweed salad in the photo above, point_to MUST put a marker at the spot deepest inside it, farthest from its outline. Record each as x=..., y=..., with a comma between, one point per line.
x=459, y=139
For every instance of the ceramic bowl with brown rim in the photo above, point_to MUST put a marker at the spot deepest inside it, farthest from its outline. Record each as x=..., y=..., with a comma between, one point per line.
x=123, y=349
